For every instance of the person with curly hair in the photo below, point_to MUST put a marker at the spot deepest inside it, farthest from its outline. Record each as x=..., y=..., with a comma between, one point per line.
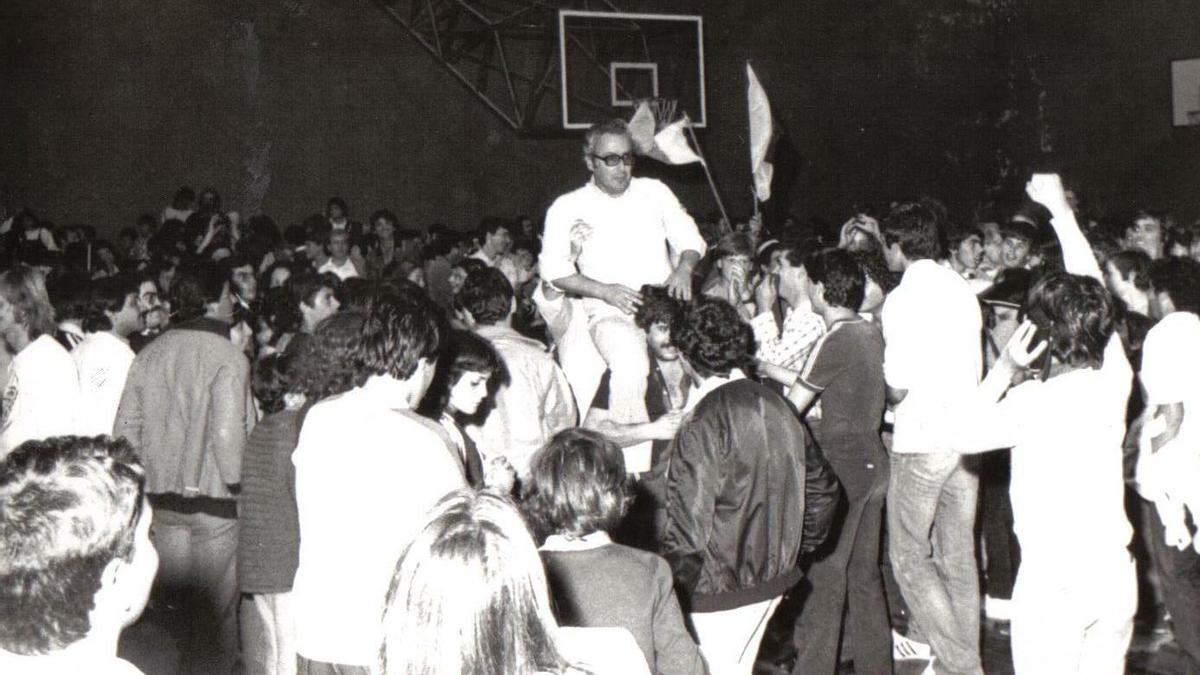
x=740, y=445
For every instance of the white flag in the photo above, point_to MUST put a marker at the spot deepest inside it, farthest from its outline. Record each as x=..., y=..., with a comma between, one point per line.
x=760, y=136
x=671, y=144
x=641, y=129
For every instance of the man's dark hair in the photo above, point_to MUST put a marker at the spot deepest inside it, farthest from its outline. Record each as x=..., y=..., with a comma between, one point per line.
x=194, y=288
x=399, y=331
x=657, y=307
x=69, y=296
x=269, y=381
x=316, y=231
x=1074, y=314
x=340, y=203
x=577, y=485
x=329, y=362
x=874, y=267
x=68, y=507
x=493, y=224
x=487, y=295
x=615, y=126
x=386, y=215
x=1134, y=265
x=838, y=271
x=303, y=288
x=956, y=234
x=108, y=295
x=712, y=337
x=916, y=227
x=1179, y=278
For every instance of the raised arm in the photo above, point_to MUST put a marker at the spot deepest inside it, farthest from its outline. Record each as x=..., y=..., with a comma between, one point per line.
x=1078, y=258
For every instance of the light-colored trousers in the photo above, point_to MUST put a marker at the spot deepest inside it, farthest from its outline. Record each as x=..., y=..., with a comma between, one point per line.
x=1073, y=620
x=268, y=634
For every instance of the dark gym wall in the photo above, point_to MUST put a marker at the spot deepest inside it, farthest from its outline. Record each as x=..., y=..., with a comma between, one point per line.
x=107, y=107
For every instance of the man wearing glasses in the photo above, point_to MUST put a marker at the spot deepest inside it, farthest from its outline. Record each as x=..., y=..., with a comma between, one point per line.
x=635, y=232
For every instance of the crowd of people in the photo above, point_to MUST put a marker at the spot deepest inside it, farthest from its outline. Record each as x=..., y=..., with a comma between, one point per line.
x=616, y=441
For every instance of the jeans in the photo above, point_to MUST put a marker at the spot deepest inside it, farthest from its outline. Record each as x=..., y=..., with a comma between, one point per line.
x=1179, y=573
x=268, y=629
x=931, y=521
x=848, y=577
x=198, y=574
x=729, y=639
x=623, y=346
x=1073, y=618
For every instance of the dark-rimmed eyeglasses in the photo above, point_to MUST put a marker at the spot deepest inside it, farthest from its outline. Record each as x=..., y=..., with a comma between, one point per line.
x=615, y=159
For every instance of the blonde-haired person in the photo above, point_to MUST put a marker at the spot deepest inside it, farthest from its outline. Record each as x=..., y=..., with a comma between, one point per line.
x=469, y=596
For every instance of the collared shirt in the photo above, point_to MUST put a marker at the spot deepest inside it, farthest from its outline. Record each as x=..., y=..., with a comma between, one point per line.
x=103, y=361
x=931, y=332
x=346, y=270
x=483, y=257
x=531, y=407
x=561, y=542
x=706, y=386
x=789, y=347
x=367, y=470
x=635, y=238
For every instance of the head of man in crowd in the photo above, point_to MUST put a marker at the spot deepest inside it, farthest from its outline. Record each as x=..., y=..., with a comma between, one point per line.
x=1145, y=232
x=150, y=304
x=712, y=338
x=1176, y=287
x=1127, y=275
x=77, y=562
x=1019, y=248
x=835, y=280
x=1074, y=315
x=337, y=245
x=202, y=291
x=313, y=296
x=608, y=154
x=964, y=248
x=911, y=232
x=655, y=316
x=25, y=310
x=497, y=237
x=793, y=277
x=113, y=306
x=244, y=277
x=487, y=297
x=400, y=340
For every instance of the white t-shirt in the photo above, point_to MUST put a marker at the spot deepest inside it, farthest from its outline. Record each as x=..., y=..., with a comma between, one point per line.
x=41, y=397
x=366, y=473
x=344, y=271
x=932, y=330
x=103, y=361
x=635, y=236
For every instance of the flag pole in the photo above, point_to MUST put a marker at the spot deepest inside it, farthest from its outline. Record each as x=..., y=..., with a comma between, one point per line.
x=707, y=174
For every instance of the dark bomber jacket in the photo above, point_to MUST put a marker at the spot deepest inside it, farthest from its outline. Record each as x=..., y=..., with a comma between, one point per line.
x=746, y=492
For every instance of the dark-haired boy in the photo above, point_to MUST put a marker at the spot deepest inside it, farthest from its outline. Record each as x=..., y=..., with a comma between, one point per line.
x=77, y=561
x=1169, y=467
x=367, y=469
x=741, y=445
x=534, y=400
x=104, y=357
x=845, y=372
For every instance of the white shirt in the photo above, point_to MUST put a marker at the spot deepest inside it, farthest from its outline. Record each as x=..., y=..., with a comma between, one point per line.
x=636, y=237
x=41, y=397
x=345, y=271
x=483, y=258
x=706, y=386
x=1066, y=434
x=932, y=331
x=790, y=347
x=367, y=471
x=103, y=361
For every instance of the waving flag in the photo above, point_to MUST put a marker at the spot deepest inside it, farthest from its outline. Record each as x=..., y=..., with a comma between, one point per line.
x=667, y=144
x=760, y=136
